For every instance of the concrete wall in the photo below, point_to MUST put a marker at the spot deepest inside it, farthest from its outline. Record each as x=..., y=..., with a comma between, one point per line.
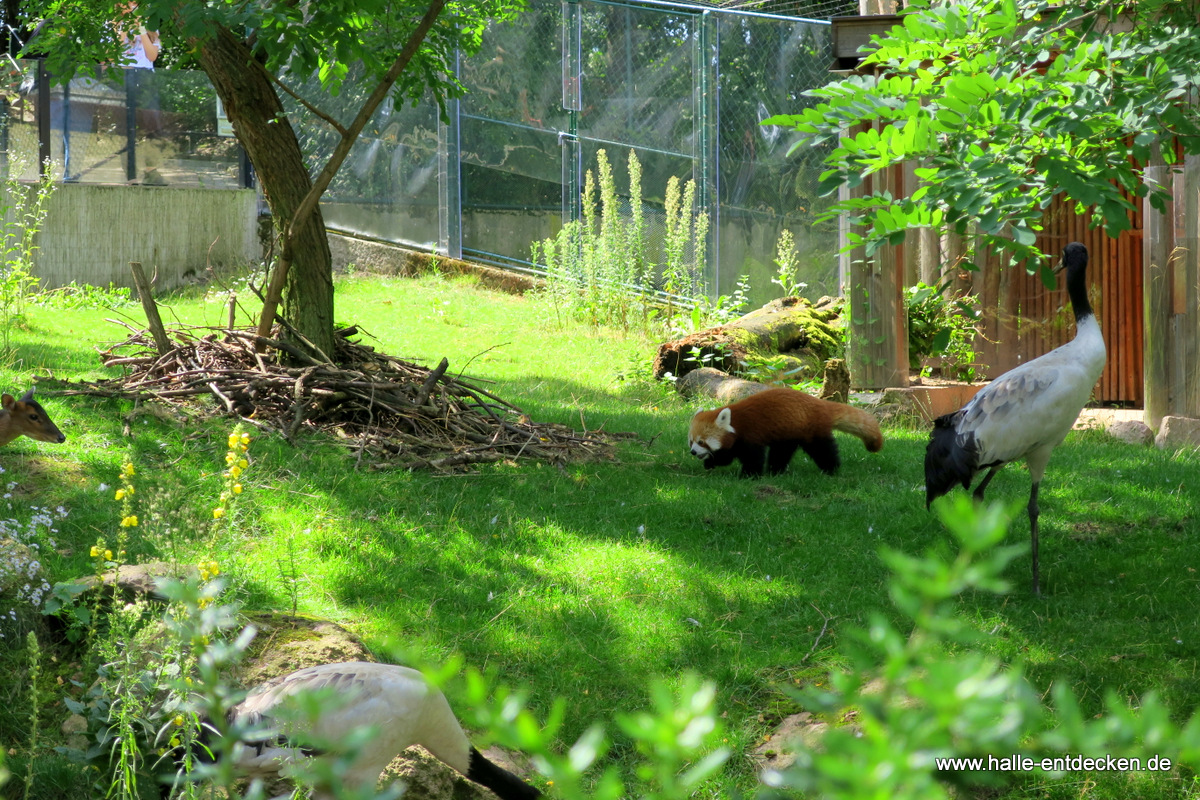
x=92, y=233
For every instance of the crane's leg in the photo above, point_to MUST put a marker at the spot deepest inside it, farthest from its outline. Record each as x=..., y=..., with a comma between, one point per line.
x=986, y=480
x=1033, y=534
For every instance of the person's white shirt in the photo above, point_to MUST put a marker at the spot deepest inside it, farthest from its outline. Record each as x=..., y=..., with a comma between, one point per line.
x=135, y=53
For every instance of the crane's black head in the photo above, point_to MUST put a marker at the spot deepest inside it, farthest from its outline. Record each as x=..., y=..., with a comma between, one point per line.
x=1075, y=261
x=1074, y=258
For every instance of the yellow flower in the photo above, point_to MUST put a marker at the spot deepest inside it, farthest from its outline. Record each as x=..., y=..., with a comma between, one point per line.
x=108, y=554
x=233, y=440
x=237, y=488
x=234, y=471
x=95, y=551
x=230, y=458
x=127, y=470
x=243, y=463
x=245, y=440
x=218, y=513
x=178, y=720
x=129, y=522
x=120, y=494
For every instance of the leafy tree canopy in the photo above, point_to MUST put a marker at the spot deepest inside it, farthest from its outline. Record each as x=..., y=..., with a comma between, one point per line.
x=1004, y=104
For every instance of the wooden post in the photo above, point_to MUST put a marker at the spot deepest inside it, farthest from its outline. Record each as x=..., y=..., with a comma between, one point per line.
x=161, y=342
x=878, y=317
x=1158, y=243
x=1186, y=295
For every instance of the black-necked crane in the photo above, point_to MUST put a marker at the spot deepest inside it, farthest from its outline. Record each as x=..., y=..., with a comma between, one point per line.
x=1023, y=414
x=396, y=701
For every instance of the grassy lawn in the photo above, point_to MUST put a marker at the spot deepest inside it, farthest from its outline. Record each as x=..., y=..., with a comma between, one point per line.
x=587, y=581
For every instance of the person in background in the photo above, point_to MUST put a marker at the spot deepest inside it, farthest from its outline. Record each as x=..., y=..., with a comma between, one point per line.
x=141, y=51
x=141, y=45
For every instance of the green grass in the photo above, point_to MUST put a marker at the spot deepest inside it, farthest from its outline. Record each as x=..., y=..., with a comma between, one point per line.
x=588, y=581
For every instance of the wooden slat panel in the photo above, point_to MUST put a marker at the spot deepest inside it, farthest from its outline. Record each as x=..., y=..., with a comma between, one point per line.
x=1027, y=320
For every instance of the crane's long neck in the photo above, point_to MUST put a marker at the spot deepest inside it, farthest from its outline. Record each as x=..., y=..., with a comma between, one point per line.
x=1088, y=342
x=1077, y=291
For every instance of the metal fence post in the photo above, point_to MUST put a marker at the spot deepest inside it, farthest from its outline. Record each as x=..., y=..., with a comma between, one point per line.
x=450, y=208
x=43, y=117
x=572, y=100
x=708, y=114
x=130, y=126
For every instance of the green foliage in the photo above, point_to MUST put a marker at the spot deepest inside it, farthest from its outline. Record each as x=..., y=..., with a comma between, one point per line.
x=924, y=701
x=23, y=213
x=84, y=295
x=1005, y=104
x=938, y=326
x=35, y=670
x=787, y=265
x=600, y=269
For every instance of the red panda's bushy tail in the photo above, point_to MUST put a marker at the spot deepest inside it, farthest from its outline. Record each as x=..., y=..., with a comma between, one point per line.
x=862, y=424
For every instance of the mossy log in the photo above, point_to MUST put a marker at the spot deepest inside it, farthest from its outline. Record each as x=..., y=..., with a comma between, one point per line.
x=789, y=334
x=722, y=387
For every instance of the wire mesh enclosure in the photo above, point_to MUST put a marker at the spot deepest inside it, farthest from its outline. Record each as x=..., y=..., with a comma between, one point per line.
x=682, y=88
x=154, y=127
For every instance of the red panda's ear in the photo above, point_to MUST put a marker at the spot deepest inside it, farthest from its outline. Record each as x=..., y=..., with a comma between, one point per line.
x=724, y=420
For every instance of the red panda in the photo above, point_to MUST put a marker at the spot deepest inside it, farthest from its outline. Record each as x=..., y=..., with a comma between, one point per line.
x=781, y=421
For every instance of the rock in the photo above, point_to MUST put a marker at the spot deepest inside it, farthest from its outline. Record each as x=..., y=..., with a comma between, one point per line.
x=75, y=729
x=137, y=580
x=286, y=643
x=1131, y=431
x=1177, y=433
x=75, y=723
x=426, y=778
x=799, y=730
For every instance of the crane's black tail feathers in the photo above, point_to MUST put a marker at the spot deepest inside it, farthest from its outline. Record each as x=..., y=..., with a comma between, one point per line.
x=949, y=458
x=499, y=780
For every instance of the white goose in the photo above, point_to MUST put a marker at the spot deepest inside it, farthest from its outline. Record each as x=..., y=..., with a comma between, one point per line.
x=1023, y=414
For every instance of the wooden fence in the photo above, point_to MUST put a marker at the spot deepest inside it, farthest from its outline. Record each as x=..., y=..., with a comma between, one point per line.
x=1022, y=319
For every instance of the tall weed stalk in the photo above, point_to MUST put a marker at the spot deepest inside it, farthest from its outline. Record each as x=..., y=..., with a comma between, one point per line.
x=599, y=269
x=23, y=214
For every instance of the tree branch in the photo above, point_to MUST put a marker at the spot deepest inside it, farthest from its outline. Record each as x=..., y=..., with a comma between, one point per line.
x=279, y=276
x=333, y=123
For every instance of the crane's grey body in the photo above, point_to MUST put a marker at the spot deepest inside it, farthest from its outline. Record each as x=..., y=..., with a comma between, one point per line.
x=1028, y=411
x=1025, y=413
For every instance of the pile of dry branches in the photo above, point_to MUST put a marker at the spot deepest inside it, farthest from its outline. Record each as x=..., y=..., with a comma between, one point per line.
x=397, y=413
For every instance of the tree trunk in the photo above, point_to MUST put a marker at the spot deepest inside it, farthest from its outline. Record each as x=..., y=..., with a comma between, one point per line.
x=253, y=107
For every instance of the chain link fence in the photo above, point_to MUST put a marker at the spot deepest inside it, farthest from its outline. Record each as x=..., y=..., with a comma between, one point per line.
x=153, y=127
x=684, y=89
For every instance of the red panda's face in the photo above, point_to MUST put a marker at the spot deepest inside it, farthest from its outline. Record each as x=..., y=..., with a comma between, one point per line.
x=710, y=432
